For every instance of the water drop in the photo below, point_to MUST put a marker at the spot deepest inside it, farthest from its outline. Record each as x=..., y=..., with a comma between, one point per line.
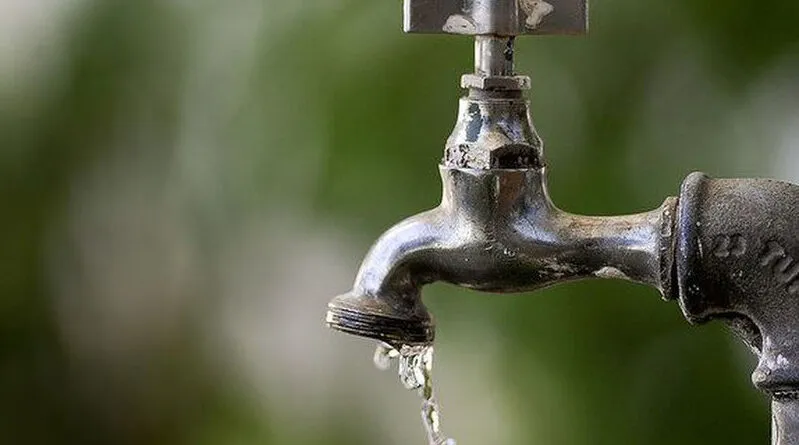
x=384, y=353
x=415, y=372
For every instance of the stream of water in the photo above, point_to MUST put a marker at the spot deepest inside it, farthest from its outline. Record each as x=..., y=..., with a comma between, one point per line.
x=415, y=372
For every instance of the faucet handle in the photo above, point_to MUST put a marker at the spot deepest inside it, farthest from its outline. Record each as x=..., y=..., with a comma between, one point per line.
x=496, y=17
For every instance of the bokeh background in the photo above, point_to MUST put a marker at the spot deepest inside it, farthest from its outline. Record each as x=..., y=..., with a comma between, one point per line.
x=185, y=184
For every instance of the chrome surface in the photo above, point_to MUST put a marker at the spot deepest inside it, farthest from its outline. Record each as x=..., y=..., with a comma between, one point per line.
x=496, y=230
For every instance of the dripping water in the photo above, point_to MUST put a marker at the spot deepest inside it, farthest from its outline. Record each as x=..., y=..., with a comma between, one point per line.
x=415, y=372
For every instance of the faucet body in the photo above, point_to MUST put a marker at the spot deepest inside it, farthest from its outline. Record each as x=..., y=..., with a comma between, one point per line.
x=497, y=231
x=724, y=249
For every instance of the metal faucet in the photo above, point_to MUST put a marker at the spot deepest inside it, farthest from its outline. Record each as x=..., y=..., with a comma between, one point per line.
x=724, y=248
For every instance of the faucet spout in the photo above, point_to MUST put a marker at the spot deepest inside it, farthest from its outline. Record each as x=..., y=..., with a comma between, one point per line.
x=385, y=301
x=495, y=230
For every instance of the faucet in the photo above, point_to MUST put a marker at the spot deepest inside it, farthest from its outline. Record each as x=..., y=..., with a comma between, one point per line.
x=724, y=249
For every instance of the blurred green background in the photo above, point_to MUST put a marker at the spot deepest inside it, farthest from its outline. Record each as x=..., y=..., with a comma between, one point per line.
x=187, y=183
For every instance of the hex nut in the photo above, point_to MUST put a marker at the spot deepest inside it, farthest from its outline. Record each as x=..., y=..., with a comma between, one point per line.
x=481, y=82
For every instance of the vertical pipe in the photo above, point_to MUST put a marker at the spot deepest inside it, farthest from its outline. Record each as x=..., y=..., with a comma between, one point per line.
x=493, y=56
x=785, y=422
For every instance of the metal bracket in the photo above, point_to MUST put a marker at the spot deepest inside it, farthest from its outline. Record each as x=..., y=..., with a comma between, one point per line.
x=496, y=17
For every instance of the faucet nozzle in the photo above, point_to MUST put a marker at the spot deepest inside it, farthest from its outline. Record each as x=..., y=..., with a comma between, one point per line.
x=376, y=318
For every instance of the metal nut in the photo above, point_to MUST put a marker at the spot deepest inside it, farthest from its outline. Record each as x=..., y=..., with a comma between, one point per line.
x=495, y=82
